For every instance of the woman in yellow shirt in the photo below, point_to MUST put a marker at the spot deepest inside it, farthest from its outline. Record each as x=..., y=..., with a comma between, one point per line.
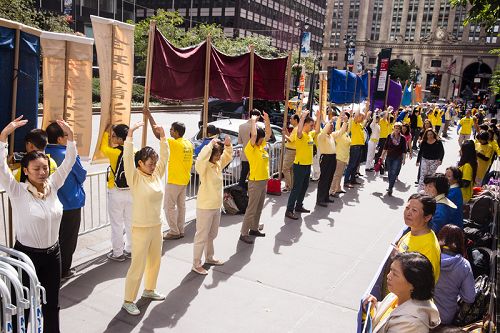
x=484, y=153
x=468, y=166
x=258, y=159
x=144, y=171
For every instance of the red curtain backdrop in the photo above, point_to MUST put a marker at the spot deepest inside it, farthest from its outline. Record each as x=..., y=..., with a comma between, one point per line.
x=229, y=76
x=180, y=74
x=177, y=73
x=269, y=78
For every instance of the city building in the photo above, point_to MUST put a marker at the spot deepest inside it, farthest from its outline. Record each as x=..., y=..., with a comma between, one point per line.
x=450, y=56
x=281, y=20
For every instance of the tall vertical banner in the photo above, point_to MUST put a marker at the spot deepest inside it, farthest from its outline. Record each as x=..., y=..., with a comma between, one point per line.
x=323, y=91
x=306, y=44
x=20, y=74
x=115, y=54
x=381, y=86
x=67, y=88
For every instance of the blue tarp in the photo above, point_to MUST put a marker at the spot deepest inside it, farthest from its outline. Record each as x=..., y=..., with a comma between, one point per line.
x=348, y=89
x=407, y=96
x=7, y=37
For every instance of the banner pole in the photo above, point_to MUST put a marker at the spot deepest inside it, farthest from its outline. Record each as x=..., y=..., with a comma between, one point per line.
x=66, y=64
x=147, y=86
x=14, y=85
x=387, y=90
x=404, y=90
x=285, y=112
x=252, y=65
x=354, y=93
x=368, y=100
x=207, y=85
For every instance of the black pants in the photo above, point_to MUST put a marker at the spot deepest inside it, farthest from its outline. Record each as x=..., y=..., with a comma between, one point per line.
x=380, y=148
x=68, y=237
x=245, y=170
x=301, y=174
x=327, y=165
x=48, y=270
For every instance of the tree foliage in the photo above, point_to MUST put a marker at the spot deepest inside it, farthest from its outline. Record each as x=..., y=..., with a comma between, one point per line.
x=24, y=11
x=399, y=70
x=170, y=25
x=483, y=12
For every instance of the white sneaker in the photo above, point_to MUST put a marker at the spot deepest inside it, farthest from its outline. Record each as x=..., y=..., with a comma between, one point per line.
x=131, y=308
x=153, y=295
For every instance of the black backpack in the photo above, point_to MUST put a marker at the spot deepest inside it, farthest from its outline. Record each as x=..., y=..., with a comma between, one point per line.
x=119, y=172
x=482, y=208
x=240, y=198
x=470, y=313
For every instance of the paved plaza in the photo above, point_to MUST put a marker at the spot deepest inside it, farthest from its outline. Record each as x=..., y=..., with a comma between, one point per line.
x=304, y=276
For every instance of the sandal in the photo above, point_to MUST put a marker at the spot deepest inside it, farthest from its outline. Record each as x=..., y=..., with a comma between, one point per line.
x=214, y=262
x=200, y=270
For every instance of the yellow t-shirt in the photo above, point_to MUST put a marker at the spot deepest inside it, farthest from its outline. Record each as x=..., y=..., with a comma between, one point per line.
x=291, y=144
x=304, y=148
x=258, y=158
x=467, y=174
x=427, y=245
x=112, y=154
x=466, y=125
x=180, y=162
x=482, y=165
x=420, y=122
x=384, y=128
x=357, y=134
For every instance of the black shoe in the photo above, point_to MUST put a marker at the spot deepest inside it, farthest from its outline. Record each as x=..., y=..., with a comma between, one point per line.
x=246, y=239
x=69, y=274
x=322, y=204
x=302, y=210
x=416, y=183
x=256, y=233
x=291, y=215
x=389, y=192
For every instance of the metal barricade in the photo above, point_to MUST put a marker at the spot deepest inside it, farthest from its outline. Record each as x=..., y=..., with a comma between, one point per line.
x=8, y=309
x=9, y=275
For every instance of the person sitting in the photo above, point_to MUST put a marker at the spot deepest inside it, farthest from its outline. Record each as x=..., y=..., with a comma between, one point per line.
x=454, y=176
x=437, y=186
x=417, y=215
x=408, y=307
x=456, y=277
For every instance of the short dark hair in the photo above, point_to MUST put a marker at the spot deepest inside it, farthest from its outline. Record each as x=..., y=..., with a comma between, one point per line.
x=417, y=270
x=212, y=130
x=457, y=174
x=308, y=120
x=440, y=182
x=483, y=135
x=37, y=137
x=121, y=131
x=428, y=203
x=452, y=237
x=144, y=154
x=484, y=127
x=255, y=112
x=179, y=128
x=217, y=149
x=31, y=156
x=296, y=117
x=54, y=131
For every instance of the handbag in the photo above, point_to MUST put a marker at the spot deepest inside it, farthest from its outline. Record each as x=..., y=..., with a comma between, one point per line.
x=229, y=204
x=274, y=186
x=378, y=165
x=470, y=313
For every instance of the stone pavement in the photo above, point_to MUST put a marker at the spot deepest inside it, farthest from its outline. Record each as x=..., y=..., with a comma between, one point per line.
x=304, y=276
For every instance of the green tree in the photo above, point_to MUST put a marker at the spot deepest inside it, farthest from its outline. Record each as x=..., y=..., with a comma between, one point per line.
x=24, y=11
x=399, y=70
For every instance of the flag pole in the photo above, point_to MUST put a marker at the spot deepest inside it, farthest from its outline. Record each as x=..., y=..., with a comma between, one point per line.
x=354, y=93
x=207, y=85
x=147, y=87
x=368, y=100
x=285, y=113
x=404, y=90
x=252, y=64
x=387, y=90
x=15, y=75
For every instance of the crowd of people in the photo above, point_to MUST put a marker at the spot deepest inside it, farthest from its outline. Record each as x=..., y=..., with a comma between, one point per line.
x=429, y=257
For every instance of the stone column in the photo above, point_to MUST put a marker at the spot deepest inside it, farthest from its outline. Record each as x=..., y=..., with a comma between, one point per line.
x=435, y=15
x=451, y=19
x=362, y=19
x=465, y=34
x=385, y=23
x=327, y=34
x=404, y=18
x=418, y=25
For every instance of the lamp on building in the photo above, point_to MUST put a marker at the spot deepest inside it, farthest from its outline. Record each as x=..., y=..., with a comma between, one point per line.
x=349, y=47
x=453, y=92
x=363, y=56
x=303, y=26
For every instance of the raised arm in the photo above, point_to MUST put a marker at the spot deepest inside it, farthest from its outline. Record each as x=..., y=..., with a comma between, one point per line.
x=227, y=155
x=152, y=122
x=317, y=124
x=204, y=157
x=267, y=122
x=161, y=166
x=58, y=177
x=7, y=180
x=343, y=128
x=300, y=127
x=128, y=154
x=253, y=131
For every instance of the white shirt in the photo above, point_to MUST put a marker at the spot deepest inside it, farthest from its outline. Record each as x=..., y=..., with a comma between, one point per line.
x=36, y=221
x=375, y=130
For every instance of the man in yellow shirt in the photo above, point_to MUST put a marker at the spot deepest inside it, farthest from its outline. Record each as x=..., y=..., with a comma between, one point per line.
x=119, y=197
x=304, y=143
x=258, y=160
x=289, y=156
x=356, y=150
x=465, y=127
x=385, y=130
x=179, y=175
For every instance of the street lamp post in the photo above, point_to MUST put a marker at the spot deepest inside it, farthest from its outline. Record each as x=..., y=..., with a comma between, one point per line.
x=303, y=26
x=363, y=56
x=349, y=43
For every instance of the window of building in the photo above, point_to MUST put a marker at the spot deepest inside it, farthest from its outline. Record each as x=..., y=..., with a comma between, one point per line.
x=436, y=63
x=372, y=60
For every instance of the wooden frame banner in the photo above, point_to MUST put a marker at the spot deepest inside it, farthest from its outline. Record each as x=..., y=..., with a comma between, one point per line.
x=115, y=54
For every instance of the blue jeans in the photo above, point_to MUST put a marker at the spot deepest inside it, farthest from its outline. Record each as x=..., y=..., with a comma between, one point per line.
x=354, y=160
x=301, y=175
x=393, y=166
